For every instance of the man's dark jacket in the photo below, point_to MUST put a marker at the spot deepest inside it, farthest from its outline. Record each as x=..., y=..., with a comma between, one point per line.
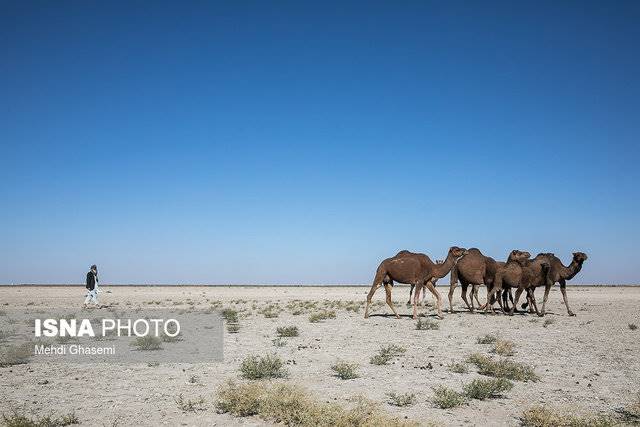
x=91, y=281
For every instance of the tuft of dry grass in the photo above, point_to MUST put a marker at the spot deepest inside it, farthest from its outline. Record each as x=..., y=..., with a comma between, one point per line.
x=293, y=406
x=548, y=322
x=427, y=324
x=487, y=339
x=287, y=331
x=633, y=326
x=482, y=389
x=17, y=419
x=189, y=405
x=147, y=343
x=401, y=400
x=386, y=354
x=322, y=315
x=503, y=347
x=445, y=398
x=539, y=416
x=459, y=368
x=262, y=367
x=345, y=370
x=502, y=368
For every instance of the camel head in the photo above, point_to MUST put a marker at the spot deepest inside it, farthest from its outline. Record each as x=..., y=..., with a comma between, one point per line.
x=579, y=257
x=457, y=252
x=518, y=256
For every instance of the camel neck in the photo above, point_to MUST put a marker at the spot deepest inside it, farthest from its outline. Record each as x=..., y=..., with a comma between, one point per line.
x=443, y=269
x=570, y=271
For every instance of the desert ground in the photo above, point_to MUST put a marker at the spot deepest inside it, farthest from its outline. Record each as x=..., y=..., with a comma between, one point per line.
x=587, y=365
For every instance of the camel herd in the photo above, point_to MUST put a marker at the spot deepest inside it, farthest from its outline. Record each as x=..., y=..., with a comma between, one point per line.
x=471, y=267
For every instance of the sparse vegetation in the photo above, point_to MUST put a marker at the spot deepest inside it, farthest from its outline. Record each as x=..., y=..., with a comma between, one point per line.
x=547, y=322
x=459, y=368
x=345, y=370
x=322, y=315
x=279, y=342
x=287, y=331
x=230, y=315
x=445, y=398
x=386, y=354
x=427, y=324
x=147, y=343
x=487, y=339
x=503, y=347
x=633, y=326
x=404, y=399
x=15, y=354
x=262, y=367
x=289, y=405
x=482, y=389
x=188, y=405
x=19, y=420
x=271, y=311
x=233, y=328
x=502, y=368
x=539, y=416
x=153, y=364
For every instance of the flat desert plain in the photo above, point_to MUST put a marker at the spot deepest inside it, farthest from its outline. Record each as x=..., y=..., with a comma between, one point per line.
x=587, y=365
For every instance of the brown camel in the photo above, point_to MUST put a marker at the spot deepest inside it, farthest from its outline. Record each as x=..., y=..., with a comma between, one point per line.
x=475, y=269
x=559, y=273
x=424, y=294
x=412, y=268
x=519, y=272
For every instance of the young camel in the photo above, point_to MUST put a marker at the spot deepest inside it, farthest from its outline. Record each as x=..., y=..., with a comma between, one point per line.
x=559, y=273
x=519, y=272
x=424, y=294
x=412, y=268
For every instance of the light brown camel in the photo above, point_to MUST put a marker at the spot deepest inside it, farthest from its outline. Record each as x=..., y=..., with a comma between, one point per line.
x=412, y=268
x=519, y=272
x=559, y=273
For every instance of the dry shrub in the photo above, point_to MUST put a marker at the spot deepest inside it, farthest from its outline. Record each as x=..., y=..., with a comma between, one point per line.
x=503, y=347
x=322, y=315
x=502, y=368
x=345, y=371
x=287, y=331
x=539, y=416
x=293, y=406
x=19, y=420
x=15, y=354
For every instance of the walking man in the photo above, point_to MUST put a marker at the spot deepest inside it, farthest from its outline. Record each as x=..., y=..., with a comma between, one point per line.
x=92, y=287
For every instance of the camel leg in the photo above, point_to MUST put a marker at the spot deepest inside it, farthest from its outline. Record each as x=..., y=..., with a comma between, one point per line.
x=532, y=303
x=505, y=299
x=464, y=296
x=387, y=289
x=475, y=294
x=563, y=289
x=452, y=287
x=410, y=293
x=488, y=307
x=415, y=300
x=547, y=288
x=437, y=297
x=513, y=307
x=373, y=290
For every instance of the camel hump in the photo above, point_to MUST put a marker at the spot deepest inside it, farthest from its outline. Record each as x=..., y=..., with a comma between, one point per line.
x=403, y=252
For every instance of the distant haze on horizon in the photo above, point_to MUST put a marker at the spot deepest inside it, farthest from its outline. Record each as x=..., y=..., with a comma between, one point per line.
x=297, y=142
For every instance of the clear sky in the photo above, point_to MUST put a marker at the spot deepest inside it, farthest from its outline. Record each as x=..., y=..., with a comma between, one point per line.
x=303, y=142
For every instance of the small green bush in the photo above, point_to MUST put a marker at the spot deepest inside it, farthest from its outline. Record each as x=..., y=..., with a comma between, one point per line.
x=322, y=315
x=445, y=398
x=404, y=399
x=262, y=367
x=287, y=331
x=482, y=389
x=345, y=371
x=427, y=324
x=502, y=368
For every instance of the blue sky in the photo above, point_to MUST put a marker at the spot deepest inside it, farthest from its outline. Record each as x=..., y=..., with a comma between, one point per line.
x=303, y=142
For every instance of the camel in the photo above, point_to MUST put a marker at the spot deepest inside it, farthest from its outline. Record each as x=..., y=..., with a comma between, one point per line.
x=519, y=272
x=412, y=268
x=424, y=294
x=472, y=269
x=559, y=273
x=475, y=269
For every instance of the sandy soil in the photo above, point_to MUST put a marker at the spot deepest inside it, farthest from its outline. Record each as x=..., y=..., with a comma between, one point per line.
x=588, y=363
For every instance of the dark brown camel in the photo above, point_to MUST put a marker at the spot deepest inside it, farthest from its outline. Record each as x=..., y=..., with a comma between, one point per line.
x=519, y=272
x=560, y=274
x=412, y=268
